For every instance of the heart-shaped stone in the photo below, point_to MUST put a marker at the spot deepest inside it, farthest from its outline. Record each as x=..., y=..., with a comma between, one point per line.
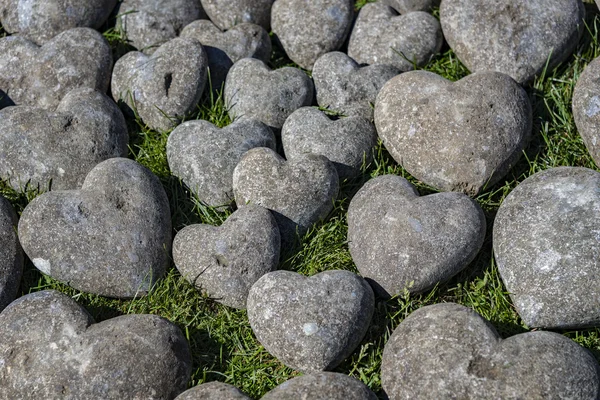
x=546, y=246
x=309, y=29
x=50, y=348
x=381, y=36
x=310, y=324
x=111, y=238
x=164, y=87
x=347, y=142
x=342, y=86
x=204, y=156
x=11, y=254
x=400, y=241
x=515, y=37
x=406, y=6
x=227, y=13
x=42, y=76
x=586, y=108
x=253, y=90
x=461, y=136
x=448, y=351
x=213, y=391
x=321, y=385
x=40, y=148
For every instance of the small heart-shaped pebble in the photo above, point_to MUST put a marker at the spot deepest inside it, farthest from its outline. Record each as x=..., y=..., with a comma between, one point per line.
x=310, y=324
x=321, y=385
x=406, y=6
x=11, y=254
x=402, y=241
x=110, y=238
x=227, y=13
x=586, y=108
x=448, y=351
x=50, y=348
x=213, y=391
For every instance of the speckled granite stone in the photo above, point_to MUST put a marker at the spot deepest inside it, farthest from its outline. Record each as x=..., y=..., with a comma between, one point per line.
x=213, y=391
x=321, y=385
x=11, y=254
x=586, y=108
x=227, y=13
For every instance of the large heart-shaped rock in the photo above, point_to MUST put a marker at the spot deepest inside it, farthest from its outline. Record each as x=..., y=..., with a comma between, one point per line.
x=381, y=36
x=42, y=76
x=11, y=254
x=310, y=324
x=586, y=108
x=227, y=13
x=447, y=351
x=50, y=348
x=213, y=391
x=402, y=241
x=321, y=385
x=111, y=238
x=460, y=136
x=546, y=246
x=406, y=6
x=40, y=148
x=515, y=37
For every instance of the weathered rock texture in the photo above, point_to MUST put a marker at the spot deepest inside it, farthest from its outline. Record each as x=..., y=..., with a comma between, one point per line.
x=227, y=13
x=586, y=108
x=11, y=254
x=321, y=385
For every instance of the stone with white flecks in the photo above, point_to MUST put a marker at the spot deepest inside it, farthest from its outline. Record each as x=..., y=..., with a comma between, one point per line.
x=227, y=13
x=11, y=254
x=321, y=385
x=586, y=108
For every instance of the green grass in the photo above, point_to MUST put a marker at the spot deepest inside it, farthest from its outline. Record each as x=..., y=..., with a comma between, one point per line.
x=223, y=345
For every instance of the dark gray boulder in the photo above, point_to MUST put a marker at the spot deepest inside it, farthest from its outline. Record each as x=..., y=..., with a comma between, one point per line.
x=11, y=254
x=321, y=385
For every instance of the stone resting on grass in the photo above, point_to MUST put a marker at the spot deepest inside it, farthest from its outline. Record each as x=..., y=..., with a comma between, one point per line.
x=586, y=108
x=321, y=385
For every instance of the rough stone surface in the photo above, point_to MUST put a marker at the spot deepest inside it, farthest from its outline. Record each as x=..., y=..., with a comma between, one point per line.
x=226, y=261
x=347, y=142
x=310, y=324
x=110, y=238
x=42, y=76
x=309, y=29
x=399, y=240
x=381, y=36
x=253, y=90
x=461, y=136
x=448, y=351
x=40, y=148
x=406, y=6
x=204, y=156
x=514, y=37
x=50, y=348
x=213, y=391
x=546, y=246
x=586, y=108
x=227, y=13
x=321, y=385
x=11, y=254
x=165, y=86
x=342, y=86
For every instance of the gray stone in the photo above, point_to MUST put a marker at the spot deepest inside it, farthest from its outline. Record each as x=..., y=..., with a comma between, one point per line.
x=309, y=29
x=165, y=87
x=42, y=76
x=406, y=6
x=546, y=248
x=213, y=391
x=310, y=324
x=224, y=262
x=515, y=37
x=227, y=13
x=11, y=254
x=342, y=86
x=57, y=149
x=321, y=385
x=110, y=238
x=347, y=142
x=41, y=20
x=50, y=348
x=253, y=90
x=586, y=108
x=448, y=351
x=381, y=36
x=461, y=136
x=400, y=241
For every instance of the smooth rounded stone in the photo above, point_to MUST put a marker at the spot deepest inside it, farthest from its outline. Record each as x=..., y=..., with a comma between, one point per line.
x=406, y=6
x=309, y=29
x=213, y=391
x=546, y=247
x=41, y=20
x=110, y=238
x=310, y=324
x=448, y=351
x=586, y=108
x=56, y=150
x=347, y=142
x=165, y=87
x=50, y=348
x=343, y=86
x=400, y=241
x=227, y=13
x=253, y=90
x=41, y=76
x=518, y=38
x=381, y=36
x=455, y=136
x=321, y=385
x=11, y=254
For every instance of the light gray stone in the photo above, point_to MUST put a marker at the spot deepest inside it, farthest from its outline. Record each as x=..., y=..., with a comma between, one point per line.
x=50, y=348
x=448, y=351
x=347, y=142
x=110, y=238
x=381, y=36
x=461, y=136
x=56, y=149
x=546, y=247
x=227, y=13
x=586, y=108
x=310, y=324
x=515, y=37
x=406, y=6
x=11, y=254
x=213, y=391
x=321, y=385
